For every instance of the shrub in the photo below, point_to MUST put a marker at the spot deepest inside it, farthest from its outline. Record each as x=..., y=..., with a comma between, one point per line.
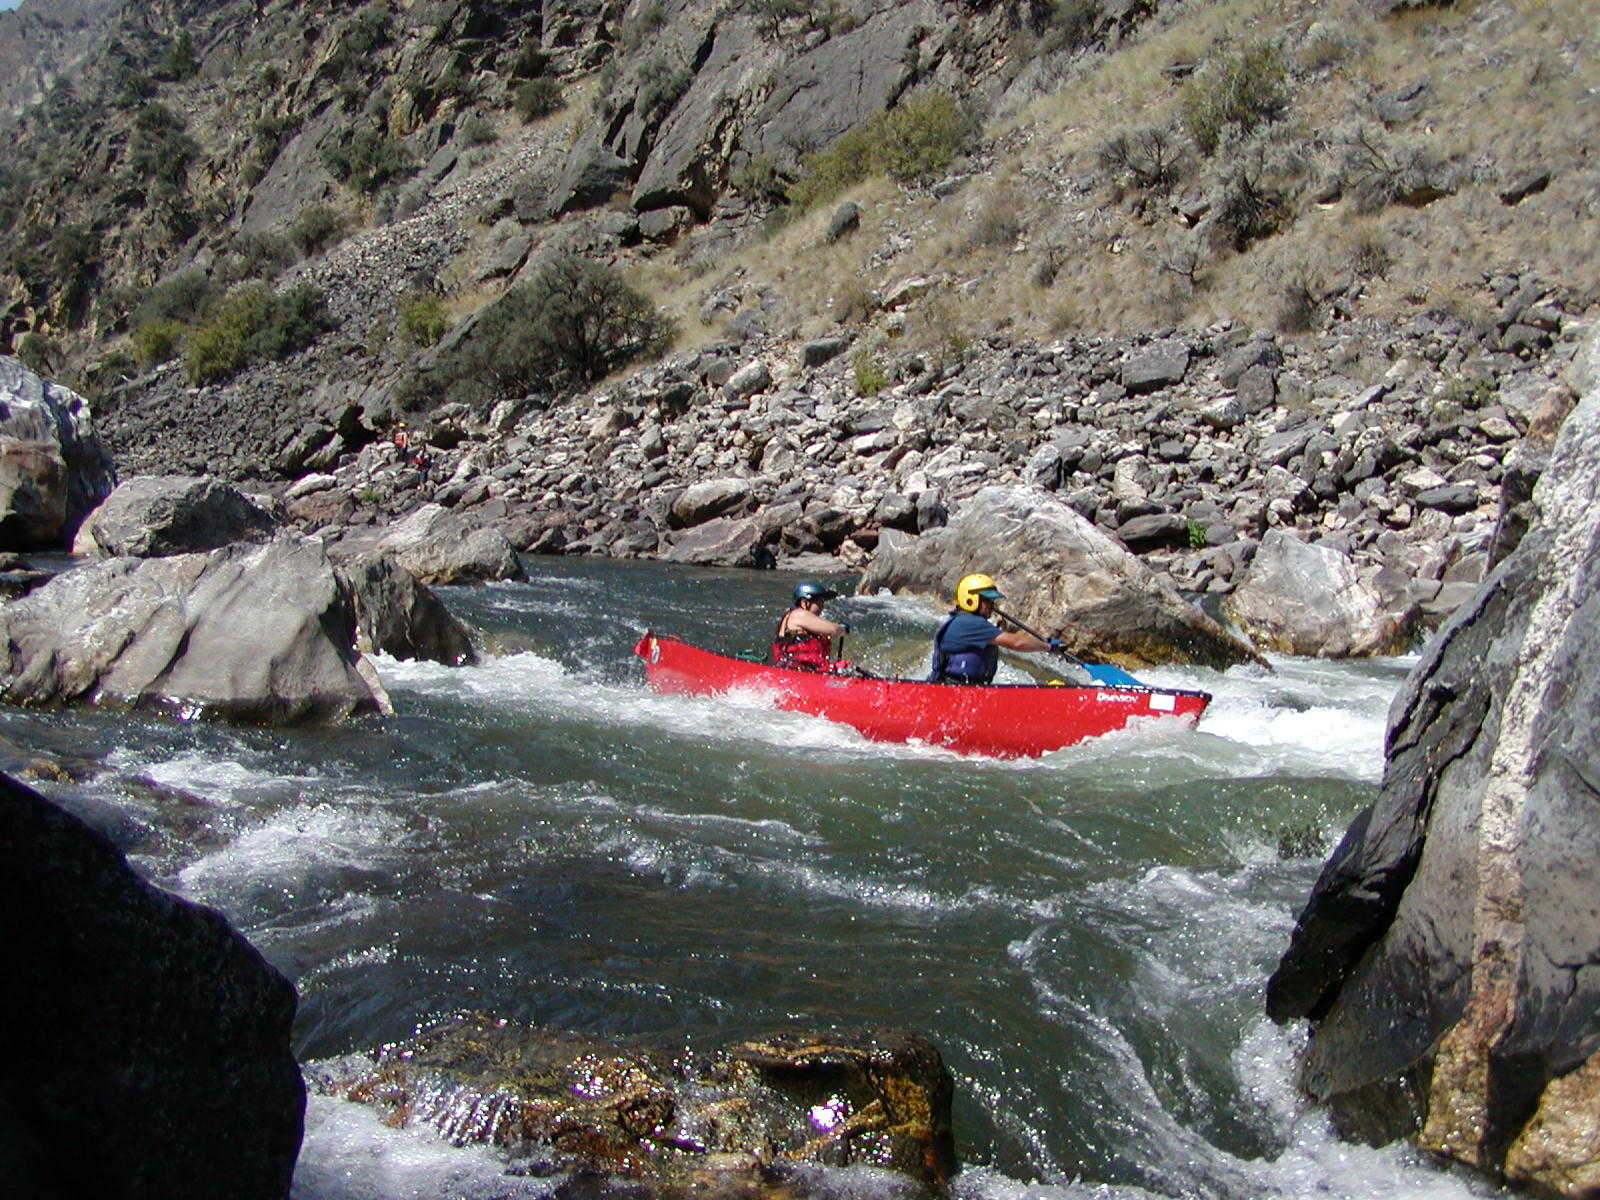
x=160, y=151
x=998, y=224
x=423, y=320
x=1195, y=534
x=1148, y=157
x=537, y=98
x=573, y=323
x=773, y=13
x=530, y=63
x=256, y=256
x=157, y=340
x=1244, y=89
x=1380, y=170
x=757, y=178
x=181, y=297
x=368, y=160
x=871, y=377
x=178, y=61
x=919, y=137
x=647, y=21
x=316, y=227
x=661, y=83
x=251, y=323
x=1299, y=289
x=1068, y=24
x=478, y=130
x=38, y=352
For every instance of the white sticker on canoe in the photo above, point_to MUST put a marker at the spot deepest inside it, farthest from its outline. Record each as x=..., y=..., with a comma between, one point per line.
x=1160, y=703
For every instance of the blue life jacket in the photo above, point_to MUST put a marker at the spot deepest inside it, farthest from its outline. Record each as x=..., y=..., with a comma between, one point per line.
x=962, y=666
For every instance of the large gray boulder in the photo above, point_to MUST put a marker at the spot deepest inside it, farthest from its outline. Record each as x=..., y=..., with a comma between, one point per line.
x=53, y=468
x=439, y=547
x=398, y=616
x=1446, y=954
x=710, y=498
x=1303, y=598
x=1061, y=576
x=149, y=1056
x=723, y=542
x=256, y=633
x=153, y=515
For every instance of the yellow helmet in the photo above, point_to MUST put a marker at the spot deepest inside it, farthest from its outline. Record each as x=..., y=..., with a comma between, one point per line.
x=973, y=588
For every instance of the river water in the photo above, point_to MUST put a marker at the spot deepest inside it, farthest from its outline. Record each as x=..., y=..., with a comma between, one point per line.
x=1085, y=936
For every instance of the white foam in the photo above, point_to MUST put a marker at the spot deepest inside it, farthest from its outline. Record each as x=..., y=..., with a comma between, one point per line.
x=350, y=1154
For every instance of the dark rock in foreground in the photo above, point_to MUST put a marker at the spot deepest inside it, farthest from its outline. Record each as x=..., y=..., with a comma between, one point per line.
x=737, y=1120
x=148, y=1056
x=1446, y=955
x=255, y=633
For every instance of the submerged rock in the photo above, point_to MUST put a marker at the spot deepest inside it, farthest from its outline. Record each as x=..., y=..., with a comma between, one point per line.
x=53, y=468
x=1445, y=954
x=255, y=633
x=149, y=1056
x=153, y=515
x=1302, y=598
x=742, y=1116
x=1061, y=576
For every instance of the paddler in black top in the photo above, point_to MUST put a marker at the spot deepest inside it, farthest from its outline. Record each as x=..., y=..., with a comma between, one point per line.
x=804, y=637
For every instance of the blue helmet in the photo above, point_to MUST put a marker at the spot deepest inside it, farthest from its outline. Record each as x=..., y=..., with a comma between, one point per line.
x=811, y=590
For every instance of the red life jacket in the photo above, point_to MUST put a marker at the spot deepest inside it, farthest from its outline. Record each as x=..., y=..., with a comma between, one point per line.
x=808, y=651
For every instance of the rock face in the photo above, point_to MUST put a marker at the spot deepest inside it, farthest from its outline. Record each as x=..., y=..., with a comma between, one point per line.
x=1301, y=598
x=749, y=1110
x=398, y=616
x=1061, y=576
x=1446, y=953
x=148, y=1021
x=53, y=468
x=154, y=515
x=437, y=546
x=255, y=633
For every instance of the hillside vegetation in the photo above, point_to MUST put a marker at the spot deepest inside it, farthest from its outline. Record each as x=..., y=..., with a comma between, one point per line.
x=213, y=187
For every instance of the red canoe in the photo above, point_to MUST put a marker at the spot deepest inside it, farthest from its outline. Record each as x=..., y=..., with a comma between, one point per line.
x=1001, y=720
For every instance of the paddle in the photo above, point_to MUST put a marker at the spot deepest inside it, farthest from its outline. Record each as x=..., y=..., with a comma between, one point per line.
x=1098, y=672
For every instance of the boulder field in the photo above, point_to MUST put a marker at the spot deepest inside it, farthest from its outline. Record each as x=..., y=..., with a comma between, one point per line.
x=1446, y=955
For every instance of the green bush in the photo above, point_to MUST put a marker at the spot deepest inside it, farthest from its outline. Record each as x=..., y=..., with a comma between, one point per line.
x=157, y=340
x=531, y=62
x=178, y=61
x=423, y=320
x=478, y=130
x=181, y=297
x=642, y=25
x=576, y=321
x=917, y=138
x=160, y=151
x=661, y=83
x=370, y=159
x=255, y=256
x=1236, y=93
x=1069, y=24
x=537, y=98
x=252, y=323
x=316, y=227
x=871, y=377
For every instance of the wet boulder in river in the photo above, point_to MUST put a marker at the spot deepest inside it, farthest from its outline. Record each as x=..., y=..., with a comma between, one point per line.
x=149, y=1056
x=1302, y=598
x=1061, y=576
x=53, y=467
x=256, y=633
x=439, y=547
x=1445, y=955
x=741, y=1115
x=153, y=515
x=398, y=616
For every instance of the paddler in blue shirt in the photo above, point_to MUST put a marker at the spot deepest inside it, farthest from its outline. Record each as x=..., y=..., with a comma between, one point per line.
x=967, y=647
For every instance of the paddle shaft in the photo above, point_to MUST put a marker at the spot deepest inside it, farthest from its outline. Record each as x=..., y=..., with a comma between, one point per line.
x=1036, y=634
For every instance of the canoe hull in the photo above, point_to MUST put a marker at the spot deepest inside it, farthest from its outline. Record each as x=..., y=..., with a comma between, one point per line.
x=1001, y=721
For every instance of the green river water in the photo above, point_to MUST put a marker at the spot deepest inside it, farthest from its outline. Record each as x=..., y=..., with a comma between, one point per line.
x=1085, y=936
